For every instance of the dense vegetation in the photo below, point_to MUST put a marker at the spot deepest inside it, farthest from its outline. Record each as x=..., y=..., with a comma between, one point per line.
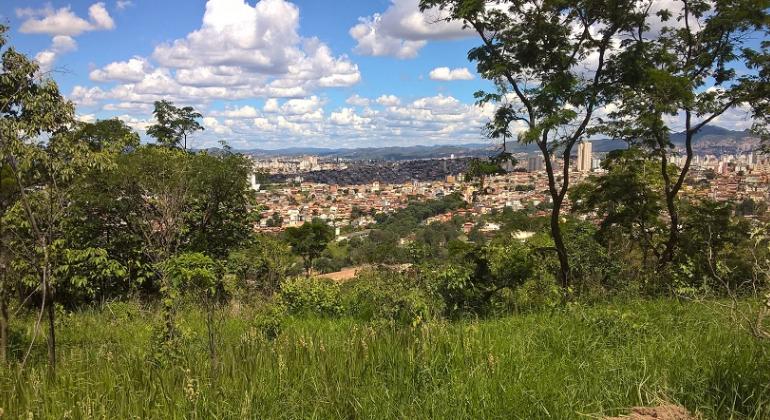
x=588, y=361
x=140, y=264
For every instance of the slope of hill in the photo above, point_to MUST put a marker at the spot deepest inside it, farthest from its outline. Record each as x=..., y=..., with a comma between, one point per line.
x=711, y=139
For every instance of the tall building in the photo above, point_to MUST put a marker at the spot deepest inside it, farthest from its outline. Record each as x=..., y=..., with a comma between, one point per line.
x=534, y=163
x=584, y=156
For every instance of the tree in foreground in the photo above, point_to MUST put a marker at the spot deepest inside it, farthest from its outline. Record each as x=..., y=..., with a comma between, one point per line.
x=31, y=106
x=681, y=63
x=548, y=60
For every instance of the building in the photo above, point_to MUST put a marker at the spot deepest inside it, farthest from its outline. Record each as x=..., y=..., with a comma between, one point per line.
x=584, y=156
x=534, y=163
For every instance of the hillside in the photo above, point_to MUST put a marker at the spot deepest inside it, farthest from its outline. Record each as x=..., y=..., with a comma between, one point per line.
x=711, y=139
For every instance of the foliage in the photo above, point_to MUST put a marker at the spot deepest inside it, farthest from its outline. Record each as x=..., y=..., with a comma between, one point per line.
x=310, y=240
x=388, y=295
x=174, y=124
x=548, y=42
x=263, y=264
x=310, y=295
x=476, y=274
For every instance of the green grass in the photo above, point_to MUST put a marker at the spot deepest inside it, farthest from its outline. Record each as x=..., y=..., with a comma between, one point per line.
x=565, y=364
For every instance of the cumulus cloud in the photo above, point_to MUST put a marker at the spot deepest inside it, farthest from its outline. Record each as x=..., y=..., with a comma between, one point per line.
x=388, y=100
x=447, y=74
x=60, y=44
x=246, y=111
x=63, y=21
x=348, y=116
x=239, y=52
x=132, y=70
x=63, y=25
x=402, y=30
x=357, y=100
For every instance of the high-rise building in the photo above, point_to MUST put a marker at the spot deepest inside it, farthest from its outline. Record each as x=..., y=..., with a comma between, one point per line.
x=534, y=163
x=584, y=156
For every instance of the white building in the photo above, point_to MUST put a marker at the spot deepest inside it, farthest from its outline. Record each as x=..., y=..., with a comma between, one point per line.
x=584, y=156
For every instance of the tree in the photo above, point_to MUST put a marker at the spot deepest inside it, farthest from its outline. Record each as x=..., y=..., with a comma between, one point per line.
x=31, y=106
x=680, y=63
x=309, y=240
x=221, y=201
x=174, y=124
x=479, y=170
x=264, y=263
x=197, y=275
x=153, y=191
x=9, y=193
x=536, y=53
x=628, y=197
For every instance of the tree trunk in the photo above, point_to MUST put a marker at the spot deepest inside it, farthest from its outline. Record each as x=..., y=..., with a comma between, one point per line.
x=210, y=330
x=673, y=231
x=561, y=249
x=3, y=321
x=51, y=312
x=556, y=198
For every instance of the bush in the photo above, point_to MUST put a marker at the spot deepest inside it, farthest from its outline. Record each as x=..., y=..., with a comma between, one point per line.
x=388, y=295
x=309, y=295
x=269, y=321
x=538, y=293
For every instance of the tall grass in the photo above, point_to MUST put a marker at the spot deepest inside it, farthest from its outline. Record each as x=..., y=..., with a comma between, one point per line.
x=564, y=364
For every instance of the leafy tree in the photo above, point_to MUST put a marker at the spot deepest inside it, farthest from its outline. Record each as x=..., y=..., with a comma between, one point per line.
x=112, y=134
x=30, y=107
x=197, y=275
x=480, y=170
x=310, y=240
x=220, y=208
x=264, y=263
x=476, y=274
x=628, y=198
x=682, y=61
x=9, y=193
x=535, y=52
x=174, y=124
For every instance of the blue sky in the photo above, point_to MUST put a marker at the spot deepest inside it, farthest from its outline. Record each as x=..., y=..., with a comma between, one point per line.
x=267, y=73
x=90, y=48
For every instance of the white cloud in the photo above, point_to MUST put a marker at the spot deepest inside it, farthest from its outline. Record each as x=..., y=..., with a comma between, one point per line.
x=402, y=30
x=271, y=105
x=64, y=25
x=86, y=118
x=357, y=100
x=132, y=70
x=138, y=124
x=447, y=74
x=123, y=4
x=240, y=52
x=211, y=123
x=347, y=116
x=245, y=111
x=63, y=21
x=60, y=44
x=372, y=42
x=299, y=106
x=388, y=100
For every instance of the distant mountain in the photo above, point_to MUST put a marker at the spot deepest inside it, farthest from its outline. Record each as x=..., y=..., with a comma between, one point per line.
x=391, y=153
x=711, y=139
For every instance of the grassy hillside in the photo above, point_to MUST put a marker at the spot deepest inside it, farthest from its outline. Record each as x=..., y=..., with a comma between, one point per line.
x=565, y=364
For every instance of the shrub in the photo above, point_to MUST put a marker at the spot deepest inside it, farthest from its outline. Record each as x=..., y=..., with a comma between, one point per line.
x=388, y=295
x=309, y=295
x=269, y=321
